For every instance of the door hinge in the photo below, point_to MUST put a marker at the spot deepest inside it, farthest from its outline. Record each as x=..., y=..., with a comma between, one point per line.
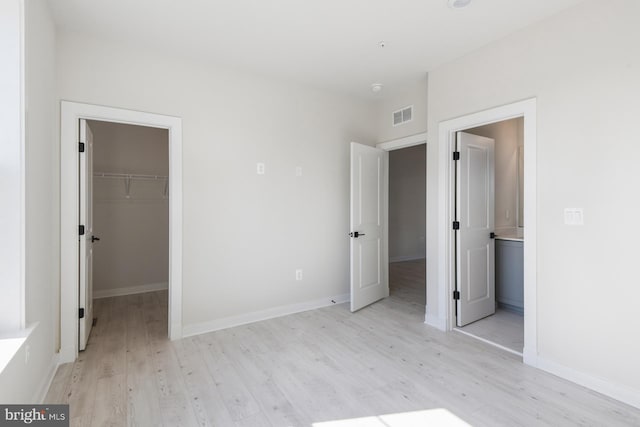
x=456, y=295
x=81, y=147
x=456, y=225
x=456, y=155
x=81, y=230
x=81, y=314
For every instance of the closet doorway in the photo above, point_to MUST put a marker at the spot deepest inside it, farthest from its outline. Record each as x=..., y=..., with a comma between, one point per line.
x=129, y=237
x=133, y=190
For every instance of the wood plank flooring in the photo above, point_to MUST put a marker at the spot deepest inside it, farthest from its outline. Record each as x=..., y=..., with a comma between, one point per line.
x=407, y=283
x=313, y=367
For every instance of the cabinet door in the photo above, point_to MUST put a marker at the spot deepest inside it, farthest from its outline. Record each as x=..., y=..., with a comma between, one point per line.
x=510, y=273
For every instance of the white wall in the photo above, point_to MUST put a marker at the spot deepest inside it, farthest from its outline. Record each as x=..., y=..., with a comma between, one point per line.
x=508, y=135
x=133, y=250
x=407, y=203
x=11, y=173
x=24, y=380
x=412, y=93
x=583, y=67
x=244, y=234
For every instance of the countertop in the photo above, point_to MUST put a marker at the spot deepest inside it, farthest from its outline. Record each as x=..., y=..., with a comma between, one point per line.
x=513, y=236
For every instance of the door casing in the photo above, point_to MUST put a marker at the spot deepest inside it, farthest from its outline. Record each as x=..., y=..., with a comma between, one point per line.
x=71, y=113
x=441, y=313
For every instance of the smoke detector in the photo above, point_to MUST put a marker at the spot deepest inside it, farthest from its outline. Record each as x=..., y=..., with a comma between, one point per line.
x=376, y=87
x=458, y=4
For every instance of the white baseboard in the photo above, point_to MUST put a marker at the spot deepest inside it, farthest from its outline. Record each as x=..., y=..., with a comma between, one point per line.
x=140, y=289
x=256, y=316
x=44, y=385
x=437, y=322
x=406, y=258
x=529, y=357
x=619, y=392
x=66, y=355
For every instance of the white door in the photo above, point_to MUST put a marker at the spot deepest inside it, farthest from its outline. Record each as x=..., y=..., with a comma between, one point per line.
x=368, y=222
x=85, y=302
x=475, y=213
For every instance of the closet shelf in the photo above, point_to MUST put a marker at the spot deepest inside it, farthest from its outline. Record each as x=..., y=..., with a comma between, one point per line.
x=128, y=177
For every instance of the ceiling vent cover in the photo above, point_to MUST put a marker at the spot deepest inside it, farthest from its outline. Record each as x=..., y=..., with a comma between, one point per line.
x=403, y=115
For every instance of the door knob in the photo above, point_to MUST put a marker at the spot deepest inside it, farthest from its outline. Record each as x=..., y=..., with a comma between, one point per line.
x=94, y=238
x=356, y=234
x=492, y=235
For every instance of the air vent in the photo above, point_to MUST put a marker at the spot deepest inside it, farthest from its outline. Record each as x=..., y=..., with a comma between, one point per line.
x=403, y=115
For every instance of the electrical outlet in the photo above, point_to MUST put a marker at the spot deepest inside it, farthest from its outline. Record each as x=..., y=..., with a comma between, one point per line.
x=260, y=168
x=298, y=170
x=299, y=274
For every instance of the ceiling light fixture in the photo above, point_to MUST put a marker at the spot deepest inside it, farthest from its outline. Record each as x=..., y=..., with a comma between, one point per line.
x=376, y=87
x=458, y=4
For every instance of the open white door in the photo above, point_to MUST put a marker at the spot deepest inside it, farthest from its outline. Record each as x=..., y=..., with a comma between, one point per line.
x=85, y=302
x=475, y=199
x=368, y=222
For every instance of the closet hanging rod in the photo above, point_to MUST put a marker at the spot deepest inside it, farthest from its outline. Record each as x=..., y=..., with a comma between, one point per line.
x=128, y=175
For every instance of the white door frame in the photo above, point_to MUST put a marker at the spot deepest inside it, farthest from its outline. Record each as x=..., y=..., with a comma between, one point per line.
x=397, y=144
x=71, y=113
x=446, y=140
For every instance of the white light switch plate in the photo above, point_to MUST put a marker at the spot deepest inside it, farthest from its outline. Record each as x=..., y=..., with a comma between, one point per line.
x=260, y=168
x=573, y=216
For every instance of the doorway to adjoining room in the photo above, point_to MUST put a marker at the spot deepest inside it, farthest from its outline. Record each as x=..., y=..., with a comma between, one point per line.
x=489, y=203
x=407, y=226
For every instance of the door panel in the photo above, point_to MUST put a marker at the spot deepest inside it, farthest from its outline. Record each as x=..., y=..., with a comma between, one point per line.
x=475, y=249
x=368, y=251
x=478, y=200
x=477, y=283
x=86, y=246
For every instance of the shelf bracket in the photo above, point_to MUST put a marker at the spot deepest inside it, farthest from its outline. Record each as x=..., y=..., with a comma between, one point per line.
x=127, y=186
x=165, y=192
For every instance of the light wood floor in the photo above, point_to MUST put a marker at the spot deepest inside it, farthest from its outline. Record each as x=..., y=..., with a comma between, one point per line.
x=505, y=328
x=321, y=365
x=407, y=283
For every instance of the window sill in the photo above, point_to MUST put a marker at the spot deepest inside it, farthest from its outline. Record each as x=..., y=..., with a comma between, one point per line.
x=10, y=344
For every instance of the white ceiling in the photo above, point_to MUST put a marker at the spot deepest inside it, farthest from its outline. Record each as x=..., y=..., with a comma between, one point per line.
x=331, y=44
